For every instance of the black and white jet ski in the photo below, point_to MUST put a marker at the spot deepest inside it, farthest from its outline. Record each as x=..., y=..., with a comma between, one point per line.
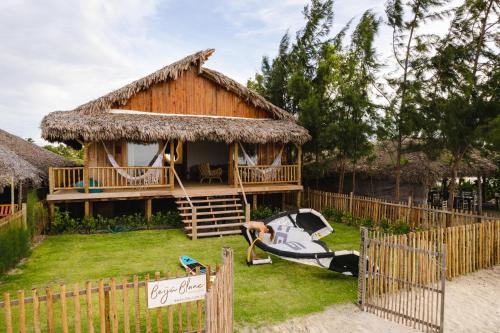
x=297, y=238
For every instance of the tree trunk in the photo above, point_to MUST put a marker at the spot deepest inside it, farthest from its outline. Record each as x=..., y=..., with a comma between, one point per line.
x=354, y=178
x=341, y=177
x=452, y=186
x=479, y=195
x=398, y=171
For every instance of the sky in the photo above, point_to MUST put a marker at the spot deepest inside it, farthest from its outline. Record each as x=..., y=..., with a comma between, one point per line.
x=57, y=55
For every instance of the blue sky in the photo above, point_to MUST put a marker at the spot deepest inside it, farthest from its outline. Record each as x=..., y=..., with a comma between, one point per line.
x=56, y=55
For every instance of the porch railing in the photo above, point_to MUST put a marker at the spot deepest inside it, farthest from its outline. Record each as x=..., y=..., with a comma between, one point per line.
x=107, y=178
x=268, y=174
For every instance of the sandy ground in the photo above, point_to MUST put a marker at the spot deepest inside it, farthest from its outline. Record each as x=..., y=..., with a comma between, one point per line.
x=472, y=304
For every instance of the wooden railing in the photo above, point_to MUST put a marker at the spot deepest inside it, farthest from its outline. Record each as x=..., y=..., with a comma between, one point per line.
x=268, y=174
x=107, y=178
x=194, y=213
x=7, y=209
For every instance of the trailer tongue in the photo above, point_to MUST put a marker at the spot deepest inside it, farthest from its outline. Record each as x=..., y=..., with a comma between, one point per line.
x=297, y=238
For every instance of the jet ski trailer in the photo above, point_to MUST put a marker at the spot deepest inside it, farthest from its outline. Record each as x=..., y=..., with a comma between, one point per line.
x=297, y=238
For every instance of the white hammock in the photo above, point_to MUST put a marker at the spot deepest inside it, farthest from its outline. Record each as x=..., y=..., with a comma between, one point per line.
x=151, y=176
x=267, y=173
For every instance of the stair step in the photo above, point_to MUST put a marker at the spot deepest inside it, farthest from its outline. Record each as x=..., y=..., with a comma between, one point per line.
x=213, y=219
x=217, y=233
x=207, y=200
x=214, y=226
x=208, y=207
x=217, y=212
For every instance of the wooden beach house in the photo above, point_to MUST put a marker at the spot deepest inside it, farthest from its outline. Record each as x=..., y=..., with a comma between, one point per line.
x=184, y=132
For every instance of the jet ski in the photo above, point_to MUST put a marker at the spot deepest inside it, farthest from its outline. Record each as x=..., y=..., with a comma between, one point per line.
x=297, y=238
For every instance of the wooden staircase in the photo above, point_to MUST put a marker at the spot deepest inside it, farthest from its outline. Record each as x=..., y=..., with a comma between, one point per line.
x=216, y=215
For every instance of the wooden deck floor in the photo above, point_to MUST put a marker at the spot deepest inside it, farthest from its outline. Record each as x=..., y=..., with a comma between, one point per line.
x=193, y=190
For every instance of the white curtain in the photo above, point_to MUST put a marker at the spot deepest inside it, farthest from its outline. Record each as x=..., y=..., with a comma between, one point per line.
x=267, y=173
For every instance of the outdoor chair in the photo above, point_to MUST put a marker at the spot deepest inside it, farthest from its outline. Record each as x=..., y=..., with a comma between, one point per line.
x=207, y=173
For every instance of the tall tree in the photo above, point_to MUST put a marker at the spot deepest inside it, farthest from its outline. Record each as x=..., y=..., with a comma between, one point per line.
x=463, y=100
x=352, y=112
x=402, y=119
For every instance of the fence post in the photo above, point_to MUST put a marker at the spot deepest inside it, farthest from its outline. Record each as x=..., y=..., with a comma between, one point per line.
x=194, y=223
x=24, y=215
x=410, y=205
x=362, y=268
x=443, y=282
x=351, y=197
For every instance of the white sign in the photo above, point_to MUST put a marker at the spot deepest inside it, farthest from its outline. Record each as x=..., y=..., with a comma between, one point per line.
x=167, y=292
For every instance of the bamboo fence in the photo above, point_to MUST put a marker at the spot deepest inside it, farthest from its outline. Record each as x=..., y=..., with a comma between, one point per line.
x=16, y=219
x=402, y=278
x=118, y=305
x=416, y=216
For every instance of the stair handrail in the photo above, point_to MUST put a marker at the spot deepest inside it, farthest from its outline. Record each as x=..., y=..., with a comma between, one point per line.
x=247, y=206
x=193, y=208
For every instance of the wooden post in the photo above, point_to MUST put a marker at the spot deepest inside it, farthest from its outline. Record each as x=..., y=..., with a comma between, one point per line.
x=172, y=166
x=362, y=268
x=299, y=165
x=148, y=209
x=12, y=195
x=87, y=208
x=51, y=180
x=247, y=213
x=24, y=214
x=479, y=196
x=410, y=205
x=351, y=198
x=194, y=223
x=299, y=199
x=254, y=201
x=235, y=157
x=86, y=175
x=7, y=313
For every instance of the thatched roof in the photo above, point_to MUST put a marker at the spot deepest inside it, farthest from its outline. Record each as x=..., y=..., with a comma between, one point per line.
x=417, y=167
x=146, y=127
x=96, y=120
x=25, y=161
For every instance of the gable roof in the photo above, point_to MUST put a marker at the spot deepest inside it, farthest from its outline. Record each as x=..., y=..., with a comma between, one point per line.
x=25, y=161
x=174, y=71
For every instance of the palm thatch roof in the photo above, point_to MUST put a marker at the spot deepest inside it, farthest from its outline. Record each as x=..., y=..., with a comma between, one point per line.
x=25, y=161
x=96, y=120
x=416, y=166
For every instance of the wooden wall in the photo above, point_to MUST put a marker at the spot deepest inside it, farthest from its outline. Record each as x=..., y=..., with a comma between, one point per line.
x=97, y=154
x=193, y=95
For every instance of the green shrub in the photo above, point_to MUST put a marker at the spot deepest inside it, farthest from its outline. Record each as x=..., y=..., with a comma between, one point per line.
x=64, y=223
x=332, y=214
x=263, y=212
x=399, y=227
x=14, y=245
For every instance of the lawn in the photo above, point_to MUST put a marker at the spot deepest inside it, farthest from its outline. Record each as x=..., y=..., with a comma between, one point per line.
x=263, y=294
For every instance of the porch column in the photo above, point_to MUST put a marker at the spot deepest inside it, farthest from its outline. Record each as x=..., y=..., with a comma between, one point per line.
x=254, y=201
x=172, y=166
x=86, y=176
x=235, y=157
x=12, y=195
x=148, y=209
x=87, y=208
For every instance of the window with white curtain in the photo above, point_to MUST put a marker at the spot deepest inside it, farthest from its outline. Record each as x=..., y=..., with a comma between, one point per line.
x=141, y=154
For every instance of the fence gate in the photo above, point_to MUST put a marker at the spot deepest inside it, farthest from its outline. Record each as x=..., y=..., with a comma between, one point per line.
x=402, y=279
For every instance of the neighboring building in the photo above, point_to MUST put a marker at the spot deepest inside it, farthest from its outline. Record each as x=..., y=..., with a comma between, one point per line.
x=375, y=176
x=25, y=164
x=194, y=115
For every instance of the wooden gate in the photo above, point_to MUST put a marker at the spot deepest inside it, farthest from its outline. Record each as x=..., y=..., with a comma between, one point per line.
x=120, y=305
x=403, y=279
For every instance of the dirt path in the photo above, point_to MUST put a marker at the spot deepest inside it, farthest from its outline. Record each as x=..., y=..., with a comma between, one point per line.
x=472, y=305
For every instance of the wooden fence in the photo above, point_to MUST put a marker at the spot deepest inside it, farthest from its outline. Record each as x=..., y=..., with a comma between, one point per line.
x=219, y=299
x=120, y=305
x=7, y=209
x=417, y=216
x=402, y=278
x=16, y=219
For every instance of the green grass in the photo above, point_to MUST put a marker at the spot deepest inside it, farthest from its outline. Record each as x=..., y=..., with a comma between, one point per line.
x=263, y=294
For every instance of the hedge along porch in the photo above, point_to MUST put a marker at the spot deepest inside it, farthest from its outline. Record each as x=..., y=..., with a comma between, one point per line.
x=186, y=116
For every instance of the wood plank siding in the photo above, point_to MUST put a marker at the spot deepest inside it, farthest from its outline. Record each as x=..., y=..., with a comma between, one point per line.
x=192, y=94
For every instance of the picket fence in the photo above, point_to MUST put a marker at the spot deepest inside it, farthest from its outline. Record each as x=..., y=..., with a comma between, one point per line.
x=119, y=305
x=417, y=216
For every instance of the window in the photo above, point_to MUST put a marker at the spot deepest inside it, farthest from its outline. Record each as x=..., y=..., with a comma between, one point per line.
x=141, y=154
x=251, y=150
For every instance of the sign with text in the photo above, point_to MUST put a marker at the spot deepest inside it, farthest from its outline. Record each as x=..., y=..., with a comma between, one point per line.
x=174, y=291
